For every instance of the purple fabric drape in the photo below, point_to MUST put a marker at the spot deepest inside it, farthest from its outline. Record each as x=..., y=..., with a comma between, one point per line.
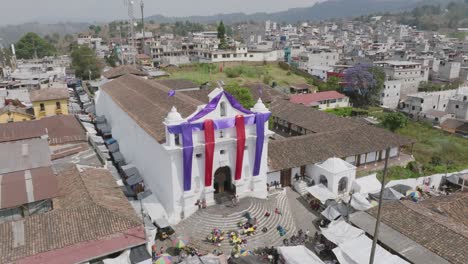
x=218, y=124
x=211, y=106
x=260, y=126
x=187, y=142
x=187, y=128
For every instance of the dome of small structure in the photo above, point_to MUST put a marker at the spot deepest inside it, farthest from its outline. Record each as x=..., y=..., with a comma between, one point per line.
x=173, y=116
x=259, y=106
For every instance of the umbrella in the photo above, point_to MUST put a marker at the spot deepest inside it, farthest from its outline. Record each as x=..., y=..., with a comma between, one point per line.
x=164, y=259
x=245, y=253
x=414, y=195
x=180, y=243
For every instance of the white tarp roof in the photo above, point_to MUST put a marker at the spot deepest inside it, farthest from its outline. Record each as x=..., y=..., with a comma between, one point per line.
x=359, y=202
x=340, y=231
x=123, y=258
x=299, y=255
x=331, y=213
x=153, y=208
x=357, y=250
x=367, y=184
x=321, y=192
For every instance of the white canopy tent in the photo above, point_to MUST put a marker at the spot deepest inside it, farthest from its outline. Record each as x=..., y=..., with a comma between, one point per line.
x=357, y=250
x=359, y=202
x=340, y=231
x=367, y=184
x=298, y=255
x=321, y=192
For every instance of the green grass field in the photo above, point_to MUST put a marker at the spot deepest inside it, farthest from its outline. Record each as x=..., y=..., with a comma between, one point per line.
x=202, y=73
x=435, y=151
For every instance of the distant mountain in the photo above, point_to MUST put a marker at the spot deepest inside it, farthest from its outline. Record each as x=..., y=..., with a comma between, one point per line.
x=320, y=11
x=11, y=33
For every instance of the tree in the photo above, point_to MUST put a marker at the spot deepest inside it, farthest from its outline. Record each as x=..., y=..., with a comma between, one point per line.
x=85, y=62
x=31, y=45
x=112, y=59
x=365, y=83
x=332, y=84
x=394, y=121
x=243, y=95
x=222, y=35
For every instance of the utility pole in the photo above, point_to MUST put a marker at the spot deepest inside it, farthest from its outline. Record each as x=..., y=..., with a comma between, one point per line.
x=132, y=27
x=377, y=223
x=142, y=6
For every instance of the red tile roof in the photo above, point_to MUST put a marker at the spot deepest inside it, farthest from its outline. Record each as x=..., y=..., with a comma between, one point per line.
x=61, y=129
x=310, y=99
x=49, y=94
x=14, y=191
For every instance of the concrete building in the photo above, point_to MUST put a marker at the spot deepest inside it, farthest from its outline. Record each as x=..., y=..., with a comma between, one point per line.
x=458, y=105
x=449, y=71
x=390, y=96
x=414, y=104
x=411, y=74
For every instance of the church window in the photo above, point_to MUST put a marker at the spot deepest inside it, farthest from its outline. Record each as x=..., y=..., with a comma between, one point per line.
x=223, y=108
x=222, y=151
x=199, y=155
x=323, y=180
x=342, y=185
x=177, y=139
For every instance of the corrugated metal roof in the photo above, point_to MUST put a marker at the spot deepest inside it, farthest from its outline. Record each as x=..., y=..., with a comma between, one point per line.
x=60, y=129
x=28, y=186
x=24, y=155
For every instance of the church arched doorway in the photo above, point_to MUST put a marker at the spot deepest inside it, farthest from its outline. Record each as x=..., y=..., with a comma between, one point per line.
x=222, y=180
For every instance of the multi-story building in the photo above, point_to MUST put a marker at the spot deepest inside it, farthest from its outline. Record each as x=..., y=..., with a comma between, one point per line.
x=411, y=74
x=458, y=105
x=422, y=102
x=390, y=96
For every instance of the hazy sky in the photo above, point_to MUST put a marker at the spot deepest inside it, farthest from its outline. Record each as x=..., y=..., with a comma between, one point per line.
x=19, y=11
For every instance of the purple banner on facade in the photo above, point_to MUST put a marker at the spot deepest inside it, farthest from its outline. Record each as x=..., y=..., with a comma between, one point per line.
x=187, y=142
x=260, y=120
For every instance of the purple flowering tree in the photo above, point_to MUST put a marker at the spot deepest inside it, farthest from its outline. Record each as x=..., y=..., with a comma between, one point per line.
x=364, y=83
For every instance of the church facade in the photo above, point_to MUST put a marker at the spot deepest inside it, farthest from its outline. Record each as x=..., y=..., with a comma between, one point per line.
x=185, y=150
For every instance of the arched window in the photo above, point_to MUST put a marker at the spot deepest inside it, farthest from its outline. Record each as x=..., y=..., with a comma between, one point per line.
x=223, y=108
x=323, y=180
x=343, y=185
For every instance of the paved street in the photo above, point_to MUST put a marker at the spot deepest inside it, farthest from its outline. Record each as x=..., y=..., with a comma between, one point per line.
x=302, y=214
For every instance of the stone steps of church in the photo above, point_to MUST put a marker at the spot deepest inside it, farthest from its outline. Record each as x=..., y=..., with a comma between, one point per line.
x=202, y=223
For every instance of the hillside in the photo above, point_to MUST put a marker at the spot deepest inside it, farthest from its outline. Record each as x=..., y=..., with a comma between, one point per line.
x=11, y=33
x=320, y=11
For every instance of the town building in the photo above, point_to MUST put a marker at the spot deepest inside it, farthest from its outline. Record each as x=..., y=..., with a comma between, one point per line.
x=411, y=74
x=12, y=113
x=321, y=100
x=390, y=96
x=49, y=102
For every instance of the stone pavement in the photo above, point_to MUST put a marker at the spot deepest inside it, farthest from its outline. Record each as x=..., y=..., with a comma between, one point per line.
x=302, y=214
x=224, y=217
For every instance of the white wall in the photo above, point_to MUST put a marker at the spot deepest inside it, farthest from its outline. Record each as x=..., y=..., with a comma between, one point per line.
x=141, y=150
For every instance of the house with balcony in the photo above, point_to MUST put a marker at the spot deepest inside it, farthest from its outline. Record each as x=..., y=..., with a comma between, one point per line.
x=49, y=102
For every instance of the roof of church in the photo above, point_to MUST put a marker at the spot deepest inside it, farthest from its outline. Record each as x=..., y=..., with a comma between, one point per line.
x=148, y=103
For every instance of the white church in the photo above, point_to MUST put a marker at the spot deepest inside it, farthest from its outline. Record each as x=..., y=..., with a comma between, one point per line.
x=186, y=150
